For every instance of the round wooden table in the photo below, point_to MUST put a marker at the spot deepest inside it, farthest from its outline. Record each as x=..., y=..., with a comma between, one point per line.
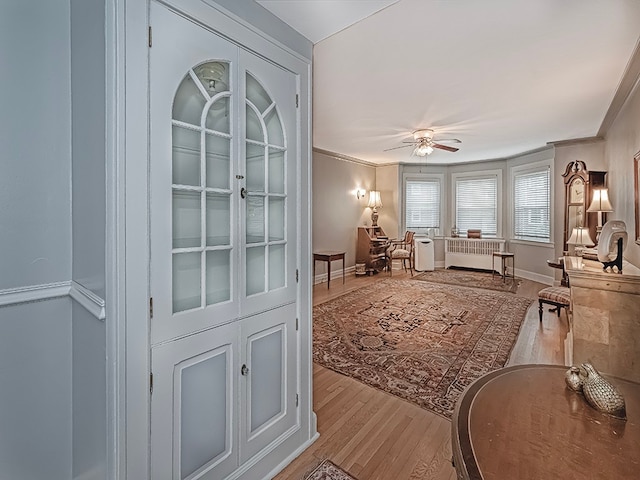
x=523, y=423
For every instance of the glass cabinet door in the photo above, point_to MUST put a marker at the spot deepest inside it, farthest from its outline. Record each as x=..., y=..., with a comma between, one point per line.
x=266, y=156
x=201, y=188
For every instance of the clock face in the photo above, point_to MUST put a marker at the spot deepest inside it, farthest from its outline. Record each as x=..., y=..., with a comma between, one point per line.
x=577, y=191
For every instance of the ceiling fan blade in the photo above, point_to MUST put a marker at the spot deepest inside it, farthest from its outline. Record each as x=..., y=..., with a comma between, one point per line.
x=445, y=147
x=395, y=148
x=451, y=140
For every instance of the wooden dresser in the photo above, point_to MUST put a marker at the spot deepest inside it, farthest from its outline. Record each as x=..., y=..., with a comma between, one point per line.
x=605, y=320
x=371, y=248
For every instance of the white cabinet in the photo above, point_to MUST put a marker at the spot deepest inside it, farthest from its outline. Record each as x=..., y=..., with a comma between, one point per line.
x=224, y=239
x=223, y=395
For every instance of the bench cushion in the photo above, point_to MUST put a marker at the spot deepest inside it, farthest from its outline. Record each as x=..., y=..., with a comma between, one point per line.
x=560, y=295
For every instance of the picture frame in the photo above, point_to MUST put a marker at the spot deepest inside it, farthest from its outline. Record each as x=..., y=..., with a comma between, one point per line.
x=636, y=190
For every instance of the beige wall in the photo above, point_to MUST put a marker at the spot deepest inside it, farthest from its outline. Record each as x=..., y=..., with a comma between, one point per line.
x=622, y=143
x=387, y=184
x=336, y=210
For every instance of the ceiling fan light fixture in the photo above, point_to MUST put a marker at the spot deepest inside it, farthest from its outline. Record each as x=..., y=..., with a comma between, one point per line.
x=423, y=134
x=424, y=149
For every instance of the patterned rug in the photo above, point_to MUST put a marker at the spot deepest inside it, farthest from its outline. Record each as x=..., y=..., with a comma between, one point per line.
x=470, y=278
x=421, y=341
x=328, y=470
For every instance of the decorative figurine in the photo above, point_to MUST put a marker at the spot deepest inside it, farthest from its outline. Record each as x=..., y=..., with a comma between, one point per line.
x=573, y=379
x=601, y=394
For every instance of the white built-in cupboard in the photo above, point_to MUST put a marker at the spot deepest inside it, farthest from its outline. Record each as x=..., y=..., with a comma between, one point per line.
x=229, y=325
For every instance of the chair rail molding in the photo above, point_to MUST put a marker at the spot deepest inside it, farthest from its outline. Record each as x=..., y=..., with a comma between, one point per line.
x=36, y=293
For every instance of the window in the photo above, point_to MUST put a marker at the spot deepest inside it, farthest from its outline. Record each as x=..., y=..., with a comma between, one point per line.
x=422, y=205
x=476, y=203
x=532, y=204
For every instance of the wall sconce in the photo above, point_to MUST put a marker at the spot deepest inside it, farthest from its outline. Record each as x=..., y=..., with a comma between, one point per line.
x=600, y=204
x=360, y=193
x=580, y=237
x=375, y=202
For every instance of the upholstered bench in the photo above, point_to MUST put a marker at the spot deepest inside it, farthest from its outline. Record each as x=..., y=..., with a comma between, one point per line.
x=559, y=297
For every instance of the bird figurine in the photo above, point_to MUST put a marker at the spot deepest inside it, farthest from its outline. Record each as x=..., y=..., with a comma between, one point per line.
x=601, y=394
x=573, y=379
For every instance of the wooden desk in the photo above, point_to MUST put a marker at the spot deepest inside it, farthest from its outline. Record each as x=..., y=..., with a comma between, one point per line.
x=328, y=256
x=523, y=423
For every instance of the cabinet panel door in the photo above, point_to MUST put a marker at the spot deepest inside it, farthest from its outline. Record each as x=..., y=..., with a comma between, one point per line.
x=268, y=387
x=194, y=205
x=268, y=214
x=194, y=406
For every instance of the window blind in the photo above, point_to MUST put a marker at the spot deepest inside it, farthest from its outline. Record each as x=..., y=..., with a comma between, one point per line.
x=532, y=205
x=477, y=205
x=422, y=204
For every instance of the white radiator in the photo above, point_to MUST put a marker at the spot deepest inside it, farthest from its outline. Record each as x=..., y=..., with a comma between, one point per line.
x=471, y=252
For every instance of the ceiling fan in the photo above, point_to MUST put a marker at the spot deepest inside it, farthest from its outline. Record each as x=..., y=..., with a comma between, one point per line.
x=424, y=144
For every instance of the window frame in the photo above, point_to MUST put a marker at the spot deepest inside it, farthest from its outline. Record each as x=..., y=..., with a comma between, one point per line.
x=478, y=175
x=424, y=177
x=523, y=170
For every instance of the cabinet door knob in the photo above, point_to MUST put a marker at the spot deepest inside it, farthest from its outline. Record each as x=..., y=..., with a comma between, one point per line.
x=243, y=192
x=244, y=370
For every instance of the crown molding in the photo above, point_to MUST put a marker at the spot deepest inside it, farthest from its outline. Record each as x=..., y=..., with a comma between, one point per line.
x=576, y=141
x=625, y=87
x=346, y=158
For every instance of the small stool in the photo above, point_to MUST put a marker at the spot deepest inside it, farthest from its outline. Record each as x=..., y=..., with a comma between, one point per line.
x=559, y=297
x=504, y=256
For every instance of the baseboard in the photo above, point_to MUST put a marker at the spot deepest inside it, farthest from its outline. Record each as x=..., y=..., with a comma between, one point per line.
x=335, y=274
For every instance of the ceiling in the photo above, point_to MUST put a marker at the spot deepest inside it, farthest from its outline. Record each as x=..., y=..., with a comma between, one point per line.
x=503, y=76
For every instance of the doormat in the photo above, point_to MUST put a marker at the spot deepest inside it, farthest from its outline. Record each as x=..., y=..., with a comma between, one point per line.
x=328, y=470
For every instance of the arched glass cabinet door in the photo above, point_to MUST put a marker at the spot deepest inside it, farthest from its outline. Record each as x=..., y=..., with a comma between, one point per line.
x=201, y=188
x=266, y=157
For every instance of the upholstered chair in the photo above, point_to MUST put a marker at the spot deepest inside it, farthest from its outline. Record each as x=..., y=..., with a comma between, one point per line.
x=401, y=250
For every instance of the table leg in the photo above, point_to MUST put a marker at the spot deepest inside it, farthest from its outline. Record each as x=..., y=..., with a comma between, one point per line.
x=328, y=273
x=343, y=269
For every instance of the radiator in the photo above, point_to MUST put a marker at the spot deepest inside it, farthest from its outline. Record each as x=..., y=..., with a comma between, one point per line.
x=471, y=252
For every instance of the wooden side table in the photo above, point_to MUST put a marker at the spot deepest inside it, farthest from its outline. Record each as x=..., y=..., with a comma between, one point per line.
x=504, y=256
x=328, y=256
x=523, y=422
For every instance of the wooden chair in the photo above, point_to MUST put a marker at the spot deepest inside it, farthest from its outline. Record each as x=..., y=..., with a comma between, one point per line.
x=559, y=297
x=401, y=250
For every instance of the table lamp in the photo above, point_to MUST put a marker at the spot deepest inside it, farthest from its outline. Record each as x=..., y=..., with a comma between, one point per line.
x=600, y=204
x=375, y=202
x=579, y=238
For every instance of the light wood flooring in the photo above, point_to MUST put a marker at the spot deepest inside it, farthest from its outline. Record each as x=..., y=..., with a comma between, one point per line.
x=376, y=436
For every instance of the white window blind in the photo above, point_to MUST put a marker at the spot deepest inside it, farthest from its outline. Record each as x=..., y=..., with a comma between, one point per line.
x=422, y=204
x=477, y=205
x=532, y=205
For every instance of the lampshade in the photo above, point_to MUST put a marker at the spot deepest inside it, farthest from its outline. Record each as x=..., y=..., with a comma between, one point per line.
x=424, y=149
x=374, y=199
x=600, y=202
x=580, y=236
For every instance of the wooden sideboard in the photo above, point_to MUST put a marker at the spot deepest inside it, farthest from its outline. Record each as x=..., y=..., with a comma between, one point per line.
x=605, y=321
x=371, y=248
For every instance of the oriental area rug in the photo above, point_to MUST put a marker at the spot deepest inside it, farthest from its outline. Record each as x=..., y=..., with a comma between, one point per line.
x=422, y=341
x=470, y=278
x=328, y=470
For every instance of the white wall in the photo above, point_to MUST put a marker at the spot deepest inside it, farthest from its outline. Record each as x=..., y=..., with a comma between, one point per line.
x=35, y=207
x=89, y=415
x=622, y=143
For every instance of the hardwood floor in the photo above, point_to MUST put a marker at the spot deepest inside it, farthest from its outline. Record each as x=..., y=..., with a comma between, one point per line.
x=376, y=436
